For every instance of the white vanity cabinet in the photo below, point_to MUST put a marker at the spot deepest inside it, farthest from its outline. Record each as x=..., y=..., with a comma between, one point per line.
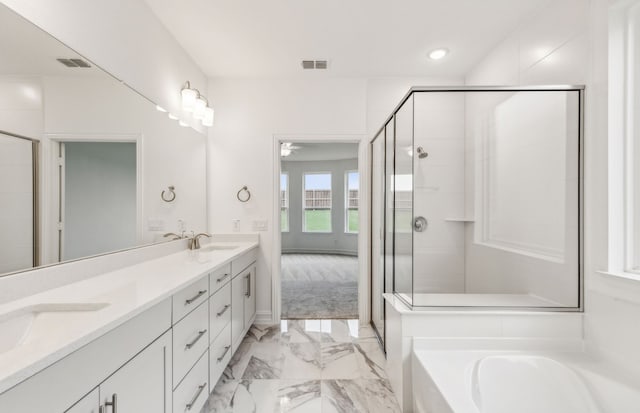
x=243, y=304
x=138, y=386
x=166, y=359
x=141, y=385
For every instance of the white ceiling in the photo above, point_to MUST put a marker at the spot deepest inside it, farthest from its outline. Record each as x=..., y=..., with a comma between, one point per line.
x=359, y=37
x=306, y=151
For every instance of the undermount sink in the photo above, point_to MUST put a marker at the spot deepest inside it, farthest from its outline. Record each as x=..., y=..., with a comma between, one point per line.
x=29, y=323
x=210, y=248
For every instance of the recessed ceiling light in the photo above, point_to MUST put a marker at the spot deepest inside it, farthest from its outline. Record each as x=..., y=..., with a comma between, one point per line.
x=438, y=54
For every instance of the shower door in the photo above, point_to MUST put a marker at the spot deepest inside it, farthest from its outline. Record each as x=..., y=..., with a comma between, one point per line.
x=402, y=192
x=18, y=199
x=377, y=232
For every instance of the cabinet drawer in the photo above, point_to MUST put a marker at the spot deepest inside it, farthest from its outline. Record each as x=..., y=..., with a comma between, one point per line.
x=219, y=311
x=219, y=355
x=219, y=278
x=190, y=340
x=189, y=298
x=193, y=392
x=243, y=261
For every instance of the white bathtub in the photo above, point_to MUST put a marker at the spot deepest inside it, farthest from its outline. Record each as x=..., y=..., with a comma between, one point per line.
x=516, y=376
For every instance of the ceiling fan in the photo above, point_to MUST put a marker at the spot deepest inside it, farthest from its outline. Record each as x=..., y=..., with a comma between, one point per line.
x=286, y=148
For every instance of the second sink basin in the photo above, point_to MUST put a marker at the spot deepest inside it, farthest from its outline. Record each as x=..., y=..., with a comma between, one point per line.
x=210, y=248
x=23, y=325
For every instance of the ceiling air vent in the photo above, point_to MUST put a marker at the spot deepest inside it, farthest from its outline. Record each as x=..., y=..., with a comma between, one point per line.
x=74, y=62
x=314, y=64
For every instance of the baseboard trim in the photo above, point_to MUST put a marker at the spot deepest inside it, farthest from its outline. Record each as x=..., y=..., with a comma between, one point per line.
x=332, y=252
x=265, y=317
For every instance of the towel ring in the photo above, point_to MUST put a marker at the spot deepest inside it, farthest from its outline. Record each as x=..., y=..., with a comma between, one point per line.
x=172, y=194
x=243, y=198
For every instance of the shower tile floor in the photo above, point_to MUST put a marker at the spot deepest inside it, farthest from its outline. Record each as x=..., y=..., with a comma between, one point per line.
x=305, y=366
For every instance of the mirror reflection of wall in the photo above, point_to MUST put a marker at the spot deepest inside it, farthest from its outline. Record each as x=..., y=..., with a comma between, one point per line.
x=52, y=95
x=99, y=198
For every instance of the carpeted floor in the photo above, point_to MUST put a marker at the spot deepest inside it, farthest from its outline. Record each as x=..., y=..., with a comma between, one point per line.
x=319, y=286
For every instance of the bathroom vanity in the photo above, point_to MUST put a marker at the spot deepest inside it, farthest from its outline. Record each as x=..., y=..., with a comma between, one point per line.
x=151, y=337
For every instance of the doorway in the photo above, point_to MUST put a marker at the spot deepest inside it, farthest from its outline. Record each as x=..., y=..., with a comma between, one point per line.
x=96, y=192
x=319, y=230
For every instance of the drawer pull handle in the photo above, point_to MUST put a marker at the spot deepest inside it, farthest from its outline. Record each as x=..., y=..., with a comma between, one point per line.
x=248, y=285
x=224, y=310
x=195, y=297
x=226, y=350
x=219, y=280
x=195, y=340
x=195, y=396
x=113, y=403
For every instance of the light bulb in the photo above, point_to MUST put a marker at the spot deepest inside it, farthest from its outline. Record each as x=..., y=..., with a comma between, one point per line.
x=160, y=108
x=172, y=116
x=207, y=120
x=183, y=124
x=199, y=108
x=189, y=97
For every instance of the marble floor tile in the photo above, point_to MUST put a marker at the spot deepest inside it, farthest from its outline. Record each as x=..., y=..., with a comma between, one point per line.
x=361, y=395
x=302, y=361
x=305, y=366
x=339, y=361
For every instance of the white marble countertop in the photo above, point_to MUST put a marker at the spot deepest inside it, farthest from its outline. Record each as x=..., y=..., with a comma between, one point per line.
x=127, y=292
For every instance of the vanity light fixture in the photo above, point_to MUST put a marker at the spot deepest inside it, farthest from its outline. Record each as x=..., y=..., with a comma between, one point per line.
x=160, y=108
x=183, y=124
x=207, y=120
x=172, y=116
x=189, y=97
x=197, y=104
x=438, y=54
x=200, y=107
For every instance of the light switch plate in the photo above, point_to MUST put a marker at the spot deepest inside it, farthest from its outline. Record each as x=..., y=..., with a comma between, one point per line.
x=260, y=225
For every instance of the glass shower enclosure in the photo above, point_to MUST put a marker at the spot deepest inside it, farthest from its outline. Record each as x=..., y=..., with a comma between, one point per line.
x=476, y=200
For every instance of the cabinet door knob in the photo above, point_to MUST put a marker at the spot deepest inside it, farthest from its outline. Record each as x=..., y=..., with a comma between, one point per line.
x=113, y=403
x=195, y=297
x=224, y=310
x=195, y=396
x=195, y=340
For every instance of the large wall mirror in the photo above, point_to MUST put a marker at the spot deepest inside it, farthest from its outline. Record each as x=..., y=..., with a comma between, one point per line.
x=84, y=159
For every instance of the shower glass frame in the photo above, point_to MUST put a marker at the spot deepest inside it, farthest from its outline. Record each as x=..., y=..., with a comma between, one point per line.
x=408, y=299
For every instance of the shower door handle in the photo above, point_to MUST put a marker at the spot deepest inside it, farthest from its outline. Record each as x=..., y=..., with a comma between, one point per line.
x=419, y=224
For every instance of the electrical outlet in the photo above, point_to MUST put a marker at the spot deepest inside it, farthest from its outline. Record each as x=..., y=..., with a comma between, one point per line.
x=235, y=223
x=260, y=225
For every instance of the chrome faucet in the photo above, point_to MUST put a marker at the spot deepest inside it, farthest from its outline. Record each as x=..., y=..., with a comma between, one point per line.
x=175, y=236
x=194, y=243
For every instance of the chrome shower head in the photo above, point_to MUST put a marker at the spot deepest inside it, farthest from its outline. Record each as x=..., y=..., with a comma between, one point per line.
x=421, y=152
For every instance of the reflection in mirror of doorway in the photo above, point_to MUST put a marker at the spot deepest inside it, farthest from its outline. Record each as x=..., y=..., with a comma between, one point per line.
x=319, y=200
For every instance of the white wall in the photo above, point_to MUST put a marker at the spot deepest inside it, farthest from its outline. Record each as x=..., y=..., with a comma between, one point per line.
x=249, y=112
x=577, y=32
x=337, y=241
x=123, y=37
x=612, y=303
x=551, y=47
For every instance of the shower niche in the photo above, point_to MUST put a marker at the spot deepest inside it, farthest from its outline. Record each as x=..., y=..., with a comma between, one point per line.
x=476, y=200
